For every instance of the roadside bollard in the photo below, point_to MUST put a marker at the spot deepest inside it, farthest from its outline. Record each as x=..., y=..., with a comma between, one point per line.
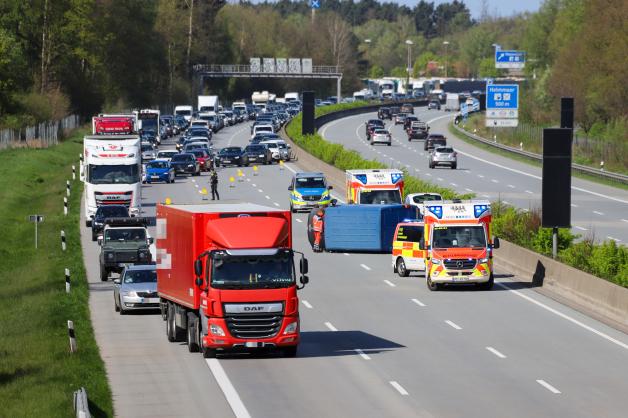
x=521, y=146
x=65, y=206
x=67, y=280
x=72, y=337
x=240, y=176
x=63, y=244
x=168, y=201
x=204, y=193
x=255, y=170
x=73, y=172
x=601, y=165
x=281, y=165
x=67, y=187
x=231, y=182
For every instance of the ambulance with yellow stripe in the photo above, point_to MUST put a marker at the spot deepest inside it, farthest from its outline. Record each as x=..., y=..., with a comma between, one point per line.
x=374, y=186
x=407, y=254
x=458, y=243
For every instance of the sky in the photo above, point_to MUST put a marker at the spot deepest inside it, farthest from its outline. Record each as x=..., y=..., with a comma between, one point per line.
x=502, y=8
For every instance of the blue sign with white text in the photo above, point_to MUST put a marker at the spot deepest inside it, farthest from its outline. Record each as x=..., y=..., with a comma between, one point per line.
x=510, y=59
x=502, y=96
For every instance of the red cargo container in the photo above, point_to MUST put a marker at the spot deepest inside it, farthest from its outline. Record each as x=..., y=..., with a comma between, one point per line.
x=226, y=276
x=113, y=125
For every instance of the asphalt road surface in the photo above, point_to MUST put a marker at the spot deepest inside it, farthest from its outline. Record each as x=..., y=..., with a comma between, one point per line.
x=373, y=344
x=597, y=210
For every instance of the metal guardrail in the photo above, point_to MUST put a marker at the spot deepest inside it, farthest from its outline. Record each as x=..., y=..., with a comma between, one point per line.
x=330, y=117
x=615, y=177
x=81, y=405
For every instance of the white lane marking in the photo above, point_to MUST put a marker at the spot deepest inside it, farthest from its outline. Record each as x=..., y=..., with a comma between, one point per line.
x=260, y=190
x=298, y=220
x=497, y=353
x=495, y=181
x=480, y=176
x=625, y=220
x=253, y=184
x=580, y=228
x=511, y=186
x=439, y=179
x=361, y=353
x=236, y=404
x=330, y=326
x=454, y=184
x=324, y=130
x=306, y=304
x=248, y=179
x=399, y=388
x=418, y=302
x=564, y=316
x=267, y=197
x=428, y=174
x=467, y=189
x=597, y=212
x=548, y=386
x=574, y=206
x=529, y=192
x=417, y=170
x=276, y=204
x=193, y=181
x=365, y=267
x=453, y=325
x=347, y=254
x=614, y=239
x=486, y=196
x=389, y=283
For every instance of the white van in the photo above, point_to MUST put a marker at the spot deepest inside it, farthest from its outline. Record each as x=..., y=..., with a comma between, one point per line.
x=258, y=129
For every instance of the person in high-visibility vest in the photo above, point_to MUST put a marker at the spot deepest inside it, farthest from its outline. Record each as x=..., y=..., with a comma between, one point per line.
x=317, y=228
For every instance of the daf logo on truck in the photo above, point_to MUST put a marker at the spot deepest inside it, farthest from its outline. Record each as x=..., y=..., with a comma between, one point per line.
x=253, y=308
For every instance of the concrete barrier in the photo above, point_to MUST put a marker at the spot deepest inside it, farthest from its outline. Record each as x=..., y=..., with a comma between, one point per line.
x=598, y=298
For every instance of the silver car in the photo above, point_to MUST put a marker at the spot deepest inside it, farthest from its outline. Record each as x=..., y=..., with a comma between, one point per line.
x=148, y=151
x=381, y=136
x=136, y=289
x=444, y=156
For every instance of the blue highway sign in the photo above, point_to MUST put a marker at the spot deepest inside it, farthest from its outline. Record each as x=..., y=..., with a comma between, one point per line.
x=510, y=59
x=315, y=4
x=502, y=101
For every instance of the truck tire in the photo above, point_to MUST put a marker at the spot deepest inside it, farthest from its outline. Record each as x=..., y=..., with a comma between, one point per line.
x=431, y=285
x=402, y=271
x=290, y=351
x=170, y=325
x=390, y=144
x=104, y=274
x=488, y=285
x=163, y=309
x=454, y=166
x=94, y=235
x=193, y=333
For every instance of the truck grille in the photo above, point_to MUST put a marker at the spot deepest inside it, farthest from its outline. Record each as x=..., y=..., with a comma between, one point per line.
x=313, y=198
x=126, y=256
x=254, y=326
x=147, y=294
x=459, y=264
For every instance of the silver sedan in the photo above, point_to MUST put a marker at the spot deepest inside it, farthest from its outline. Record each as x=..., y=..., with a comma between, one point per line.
x=136, y=289
x=444, y=156
x=381, y=136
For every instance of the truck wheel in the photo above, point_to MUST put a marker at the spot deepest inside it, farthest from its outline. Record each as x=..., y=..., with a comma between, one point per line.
x=390, y=144
x=290, y=351
x=488, y=285
x=104, y=274
x=163, y=308
x=431, y=285
x=170, y=325
x=453, y=166
x=293, y=210
x=94, y=235
x=193, y=333
x=402, y=271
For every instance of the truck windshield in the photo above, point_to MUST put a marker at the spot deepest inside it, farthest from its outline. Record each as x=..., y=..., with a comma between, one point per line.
x=252, y=271
x=458, y=236
x=183, y=112
x=380, y=197
x=113, y=174
x=124, y=234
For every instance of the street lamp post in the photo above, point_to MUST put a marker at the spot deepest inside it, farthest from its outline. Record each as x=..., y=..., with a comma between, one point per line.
x=409, y=43
x=446, y=43
x=368, y=59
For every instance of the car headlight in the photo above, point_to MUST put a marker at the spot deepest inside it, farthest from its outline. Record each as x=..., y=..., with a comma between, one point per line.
x=129, y=293
x=291, y=328
x=435, y=261
x=109, y=256
x=216, y=330
x=484, y=260
x=190, y=165
x=143, y=255
x=237, y=157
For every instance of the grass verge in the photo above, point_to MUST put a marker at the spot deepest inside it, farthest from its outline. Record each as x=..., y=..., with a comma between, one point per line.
x=38, y=375
x=530, y=161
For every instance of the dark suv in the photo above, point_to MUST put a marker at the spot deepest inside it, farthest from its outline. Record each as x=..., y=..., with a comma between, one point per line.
x=185, y=163
x=258, y=153
x=384, y=113
x=373, y=124
x=231, y=156
x=104, y=212
x=434, y=141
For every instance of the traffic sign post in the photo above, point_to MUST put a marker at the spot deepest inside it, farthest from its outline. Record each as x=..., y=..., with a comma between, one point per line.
x=36, y=219
x=502, y=105
x=510, y=59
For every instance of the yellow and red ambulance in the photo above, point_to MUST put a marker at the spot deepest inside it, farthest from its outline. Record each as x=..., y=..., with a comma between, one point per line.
x=407, y=255
x=374, y=186
x=459, y=245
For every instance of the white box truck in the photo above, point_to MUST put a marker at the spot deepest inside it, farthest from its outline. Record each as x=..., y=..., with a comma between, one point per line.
x=208, y=104
x=452, y=102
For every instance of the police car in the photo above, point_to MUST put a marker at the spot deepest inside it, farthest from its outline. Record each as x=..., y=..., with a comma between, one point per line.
x=309, y=190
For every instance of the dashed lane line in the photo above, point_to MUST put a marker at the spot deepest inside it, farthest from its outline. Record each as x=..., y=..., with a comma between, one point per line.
x=453, y=325
x=306, y=304
x=418, y=302
x=362, y=354
x=494, y=351
x=548, y=386
x=331, y=327
x=399, y=388
x=234, y=400
x=389, y=283
x=365, y=267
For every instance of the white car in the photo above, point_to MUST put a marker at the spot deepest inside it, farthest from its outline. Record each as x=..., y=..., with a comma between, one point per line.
x=279, y=149
x=167, y=154
x=420, y=199
x=258, y=129
x=381, y=136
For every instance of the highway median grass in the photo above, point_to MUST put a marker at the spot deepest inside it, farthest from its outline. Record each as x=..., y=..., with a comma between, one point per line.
x=38, y=374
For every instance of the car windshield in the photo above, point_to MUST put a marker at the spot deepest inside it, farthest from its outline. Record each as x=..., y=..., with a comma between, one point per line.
x=254, y=271
x=458, y=236
x=425, y=198
x=112, y=212
x=158, y=164
x=263, y=129
x=410, y=233
x=201, y=154
x=123, y=234
x=183, y=112
x=140, y=276
x=113, y=174
x=166, y=154
x=379, y=197
x=310, y=182
x=147, y=148
x=255, y=149
x=181, y=157
x=231, y=150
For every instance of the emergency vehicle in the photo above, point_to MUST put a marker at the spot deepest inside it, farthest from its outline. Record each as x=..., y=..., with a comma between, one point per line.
x=112, y=165
x=374, y=186
x=459, y=243
x=407, y=255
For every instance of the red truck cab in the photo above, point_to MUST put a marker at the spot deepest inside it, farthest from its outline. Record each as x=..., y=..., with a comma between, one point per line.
x=226, y=277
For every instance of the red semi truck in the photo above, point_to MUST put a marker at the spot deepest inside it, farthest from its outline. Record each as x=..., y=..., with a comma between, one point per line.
x=226, y=277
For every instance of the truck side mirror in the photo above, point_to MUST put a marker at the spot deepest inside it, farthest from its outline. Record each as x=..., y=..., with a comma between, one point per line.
x=303, y=266
x=495, y=242
x=198, y=281
x=151, y=240
x=334, y=202
x=290, y=188
x=330, y=187
x=198, y=267
x=305, y=280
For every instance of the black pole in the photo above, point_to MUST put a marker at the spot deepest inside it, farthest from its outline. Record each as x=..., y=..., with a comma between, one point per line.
x=566, y=112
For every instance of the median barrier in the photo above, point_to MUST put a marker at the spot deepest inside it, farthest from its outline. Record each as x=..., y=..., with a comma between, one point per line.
x=601, y=299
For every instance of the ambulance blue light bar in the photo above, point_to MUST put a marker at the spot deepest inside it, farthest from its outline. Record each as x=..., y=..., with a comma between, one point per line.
x=478, y=210
x=436, y=210
x=395, y=177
